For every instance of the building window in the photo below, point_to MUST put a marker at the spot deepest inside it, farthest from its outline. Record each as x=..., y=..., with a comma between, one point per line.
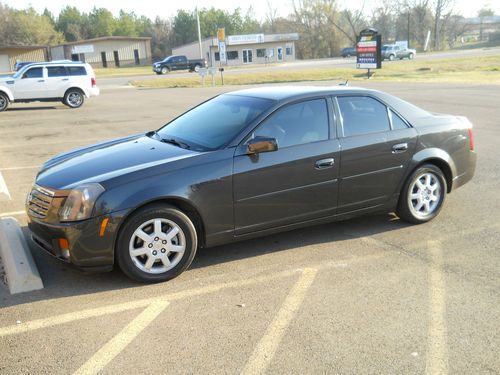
x=232, y=55
x=104, y=60
x=136, y=57
x=261, y=52
x=288, y=51
x=270, y=52
x=217, y=56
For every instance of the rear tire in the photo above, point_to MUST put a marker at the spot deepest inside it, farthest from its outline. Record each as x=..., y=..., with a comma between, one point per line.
x=410, y=56
x=157, y=243
x=391, y=57
x=197, y=68
x=423, y=195
x=74, y=98
x=4, y=102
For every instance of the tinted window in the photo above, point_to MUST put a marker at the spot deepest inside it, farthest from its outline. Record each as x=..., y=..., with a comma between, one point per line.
x=362, y=115
x=33, y=73
x=56, y=71
x=261, y=52
x=232, y=55
x=214, y=123
x=295, y=124
x=76, y=70
x=397, y=122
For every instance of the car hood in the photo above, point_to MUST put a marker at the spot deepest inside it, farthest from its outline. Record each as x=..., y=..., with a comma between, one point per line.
x=107, y=160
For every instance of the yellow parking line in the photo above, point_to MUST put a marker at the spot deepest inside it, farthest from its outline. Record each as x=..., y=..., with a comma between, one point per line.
x=267, y=346
x=437, y=349
x=113, y=347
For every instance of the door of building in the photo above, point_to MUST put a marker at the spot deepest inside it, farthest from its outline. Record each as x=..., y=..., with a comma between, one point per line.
x=280, y=53
x=247, y=56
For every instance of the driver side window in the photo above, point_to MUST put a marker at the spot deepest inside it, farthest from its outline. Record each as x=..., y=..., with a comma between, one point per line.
x=33, y=73
x=296, y=124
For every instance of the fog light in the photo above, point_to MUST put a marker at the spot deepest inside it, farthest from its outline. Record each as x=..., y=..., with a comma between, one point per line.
x=64, y=247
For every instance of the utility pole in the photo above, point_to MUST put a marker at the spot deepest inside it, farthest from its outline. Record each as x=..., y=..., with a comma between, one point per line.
x=409, y=26
x=199, y=33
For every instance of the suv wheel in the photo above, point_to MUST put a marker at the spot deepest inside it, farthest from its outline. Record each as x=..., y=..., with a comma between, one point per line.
x=410, y=56
x=156, y=244
x=4, y=102
x=164, y=70
x=423, y=195
x=391, y=57
x=74, y=98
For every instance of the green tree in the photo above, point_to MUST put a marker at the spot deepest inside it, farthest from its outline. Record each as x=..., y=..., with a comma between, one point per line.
x=126, y=24
x=102, y=22
x=71, y=23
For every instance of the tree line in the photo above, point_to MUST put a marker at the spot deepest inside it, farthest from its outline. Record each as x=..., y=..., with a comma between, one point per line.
x=324, y=27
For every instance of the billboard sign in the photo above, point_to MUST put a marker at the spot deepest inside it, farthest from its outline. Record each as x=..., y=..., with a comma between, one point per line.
x=245, y=39
x=221, y=34
x=84, y=48
x=369, y=50
x=222, y=53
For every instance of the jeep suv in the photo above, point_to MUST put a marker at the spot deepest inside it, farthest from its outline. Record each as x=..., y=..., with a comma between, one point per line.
x=68, y=82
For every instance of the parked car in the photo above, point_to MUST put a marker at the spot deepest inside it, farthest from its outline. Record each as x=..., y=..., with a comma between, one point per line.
x=348, y=51
x=242, y=165
x=178, y=62
x=393, y=51
x=20, y=64
x=68, y=82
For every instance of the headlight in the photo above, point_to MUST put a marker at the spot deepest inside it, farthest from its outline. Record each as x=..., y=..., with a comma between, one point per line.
x=80, y=202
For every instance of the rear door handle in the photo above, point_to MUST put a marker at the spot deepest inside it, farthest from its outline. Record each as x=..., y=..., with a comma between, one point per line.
x=324, y=163
x=65, y=79
x=399, y=148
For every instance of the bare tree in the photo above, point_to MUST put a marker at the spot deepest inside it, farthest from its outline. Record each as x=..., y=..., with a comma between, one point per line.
x=440, y=7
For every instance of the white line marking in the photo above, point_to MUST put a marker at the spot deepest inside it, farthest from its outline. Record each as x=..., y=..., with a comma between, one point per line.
x=269, y=343
x=13, y=213
x=437, y=349
x=19, y=168
x=4, y=191
x=112, y=348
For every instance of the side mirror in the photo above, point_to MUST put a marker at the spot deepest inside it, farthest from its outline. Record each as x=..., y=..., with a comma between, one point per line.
x=261, y=144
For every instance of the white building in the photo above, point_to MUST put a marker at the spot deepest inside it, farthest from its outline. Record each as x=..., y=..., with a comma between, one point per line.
x=244, y=49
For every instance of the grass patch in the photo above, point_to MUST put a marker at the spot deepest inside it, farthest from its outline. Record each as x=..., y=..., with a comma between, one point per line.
x=462, y=70
x=123, y=72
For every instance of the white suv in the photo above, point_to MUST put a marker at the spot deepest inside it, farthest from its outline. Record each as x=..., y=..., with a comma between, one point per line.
x=66, y=81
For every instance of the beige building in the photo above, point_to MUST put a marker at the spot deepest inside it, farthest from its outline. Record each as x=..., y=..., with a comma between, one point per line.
x=244, y=49
x=10, y=54
x=104, y=52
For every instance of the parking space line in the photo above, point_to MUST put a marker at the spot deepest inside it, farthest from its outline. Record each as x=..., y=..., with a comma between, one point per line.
x=112, y=348
x=269, y=343
x=20, y=168
x=4, y=191
x=437, y=349
x=13, y=213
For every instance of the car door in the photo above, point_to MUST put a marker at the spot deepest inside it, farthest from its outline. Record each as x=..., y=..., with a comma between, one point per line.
x=297, y=182
x=57, y=81
x=377, y=145
x=31, y=84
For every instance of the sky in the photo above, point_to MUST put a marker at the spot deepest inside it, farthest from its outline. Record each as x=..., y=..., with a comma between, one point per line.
x=166, y=9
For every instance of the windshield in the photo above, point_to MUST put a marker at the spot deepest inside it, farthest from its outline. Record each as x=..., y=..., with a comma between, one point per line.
x=215, y=122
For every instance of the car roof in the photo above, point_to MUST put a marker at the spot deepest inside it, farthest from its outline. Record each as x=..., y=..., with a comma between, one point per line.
x=292, y=92
x=57, y=62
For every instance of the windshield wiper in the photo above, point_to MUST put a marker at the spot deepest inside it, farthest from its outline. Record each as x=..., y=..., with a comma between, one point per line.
x=175, y=142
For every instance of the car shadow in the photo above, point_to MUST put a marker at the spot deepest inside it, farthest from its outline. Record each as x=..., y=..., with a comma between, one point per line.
x=30, y=108
x=62, y=280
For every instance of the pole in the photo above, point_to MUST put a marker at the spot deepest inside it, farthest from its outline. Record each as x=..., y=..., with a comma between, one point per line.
x=199, y=32
x=408, y=27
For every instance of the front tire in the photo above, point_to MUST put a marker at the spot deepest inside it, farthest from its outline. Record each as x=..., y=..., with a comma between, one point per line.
x=156, y=244
x=423, y=195
x=391, y=57
x=197, y=68
x=4, y=102
x=410, y=56
x=74, y=98
x=164, y=70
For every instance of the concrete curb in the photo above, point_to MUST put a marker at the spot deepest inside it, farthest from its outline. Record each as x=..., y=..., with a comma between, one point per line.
x=20, y=269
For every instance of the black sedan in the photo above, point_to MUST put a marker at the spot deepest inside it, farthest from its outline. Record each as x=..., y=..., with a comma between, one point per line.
x=246, y=164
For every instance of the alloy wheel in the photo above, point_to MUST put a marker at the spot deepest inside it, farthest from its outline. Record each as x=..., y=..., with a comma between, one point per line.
x=424, y=195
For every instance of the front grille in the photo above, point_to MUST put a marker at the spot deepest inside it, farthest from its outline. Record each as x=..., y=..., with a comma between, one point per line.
x=39, y=202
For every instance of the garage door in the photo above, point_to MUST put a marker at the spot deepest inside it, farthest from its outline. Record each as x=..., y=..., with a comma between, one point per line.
x=4, y=64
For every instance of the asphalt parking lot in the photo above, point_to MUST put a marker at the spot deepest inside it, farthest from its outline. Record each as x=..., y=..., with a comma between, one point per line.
x=368, y=295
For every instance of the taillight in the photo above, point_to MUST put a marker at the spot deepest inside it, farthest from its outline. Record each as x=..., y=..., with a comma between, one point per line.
x=92, y=80
x=471, y=139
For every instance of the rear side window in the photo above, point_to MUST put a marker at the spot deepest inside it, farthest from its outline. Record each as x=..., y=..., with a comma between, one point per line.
x=56, y=71
x=397, y=122
x=76, y=70
x=33, y=73
x=297, y=124
x=362, y=115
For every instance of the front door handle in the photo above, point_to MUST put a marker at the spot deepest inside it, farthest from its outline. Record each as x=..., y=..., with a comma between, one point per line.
x=41, y=80
x=324, y=163
x=399, y=148
x=65, y=79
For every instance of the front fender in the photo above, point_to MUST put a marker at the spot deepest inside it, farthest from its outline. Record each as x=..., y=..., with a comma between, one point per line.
x=7, y=91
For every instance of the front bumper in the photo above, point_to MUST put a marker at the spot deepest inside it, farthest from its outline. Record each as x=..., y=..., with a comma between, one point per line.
x=87, y=248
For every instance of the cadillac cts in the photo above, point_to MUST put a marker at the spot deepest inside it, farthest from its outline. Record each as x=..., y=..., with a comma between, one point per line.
x=246, y=164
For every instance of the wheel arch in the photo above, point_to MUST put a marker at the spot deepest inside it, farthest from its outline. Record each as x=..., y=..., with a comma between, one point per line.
x=8, y=93
x=86, y=94
x=180, y=203
x=440, y=159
